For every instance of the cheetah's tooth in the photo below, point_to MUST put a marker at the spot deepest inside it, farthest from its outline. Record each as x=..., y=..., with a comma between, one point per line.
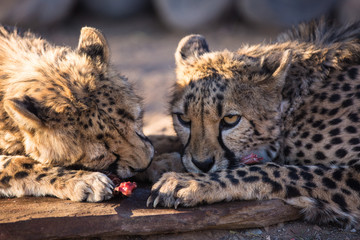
x=156, y=201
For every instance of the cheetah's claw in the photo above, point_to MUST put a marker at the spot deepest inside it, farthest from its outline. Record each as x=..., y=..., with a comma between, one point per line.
x=94, y=187
x=175, y=189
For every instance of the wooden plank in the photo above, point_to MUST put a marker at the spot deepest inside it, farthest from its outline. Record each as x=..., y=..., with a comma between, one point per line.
x=42, y=218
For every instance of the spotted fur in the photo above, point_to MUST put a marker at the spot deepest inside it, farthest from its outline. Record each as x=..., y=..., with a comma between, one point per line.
x=64, y=115
x=296, y=102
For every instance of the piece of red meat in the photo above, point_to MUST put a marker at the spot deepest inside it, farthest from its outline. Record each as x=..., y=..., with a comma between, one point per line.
x=126, y=188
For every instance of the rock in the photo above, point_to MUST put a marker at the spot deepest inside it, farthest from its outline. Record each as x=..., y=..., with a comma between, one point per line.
x=189, y=14
x=253, y=232
x=34, y=13
x=282, y=13
x=41, y=218
x=115, y=8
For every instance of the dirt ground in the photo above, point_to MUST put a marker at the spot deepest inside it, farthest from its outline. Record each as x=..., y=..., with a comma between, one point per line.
x=142, y=49
x=288, y=231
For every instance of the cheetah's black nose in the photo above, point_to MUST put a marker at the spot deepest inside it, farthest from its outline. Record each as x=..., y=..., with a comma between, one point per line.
x=205, y=165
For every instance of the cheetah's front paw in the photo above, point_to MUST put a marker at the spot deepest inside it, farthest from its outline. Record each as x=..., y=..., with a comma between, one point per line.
x=91, y=187
x=174, y=189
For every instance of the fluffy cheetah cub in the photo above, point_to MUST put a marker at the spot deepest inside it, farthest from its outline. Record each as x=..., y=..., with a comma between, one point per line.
x=65, y=114
x=295, y=102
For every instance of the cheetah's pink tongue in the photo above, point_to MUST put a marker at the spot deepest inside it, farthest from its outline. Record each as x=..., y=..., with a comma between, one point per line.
x=251, y=159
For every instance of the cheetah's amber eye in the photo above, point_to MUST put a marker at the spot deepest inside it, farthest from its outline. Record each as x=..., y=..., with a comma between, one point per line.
x=183, y=120
x=230, y=121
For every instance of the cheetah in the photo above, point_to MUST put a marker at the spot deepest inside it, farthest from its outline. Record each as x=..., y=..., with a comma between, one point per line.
x=294, y=103
x=65, y=115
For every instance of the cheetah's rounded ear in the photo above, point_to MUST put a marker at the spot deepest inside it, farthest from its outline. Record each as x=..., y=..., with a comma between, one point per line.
x=93, y=44
x=284, y=65
x=278, y=64
x=24, y=112
x=190, y=46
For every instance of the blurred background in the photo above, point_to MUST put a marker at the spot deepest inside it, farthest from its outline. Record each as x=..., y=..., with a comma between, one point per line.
x=143, y=34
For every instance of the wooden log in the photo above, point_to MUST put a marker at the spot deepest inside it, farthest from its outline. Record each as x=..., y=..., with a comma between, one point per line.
x=42, y=218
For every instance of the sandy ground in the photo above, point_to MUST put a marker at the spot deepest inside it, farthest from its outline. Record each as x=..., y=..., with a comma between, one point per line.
x=289, y=231
x=142, y=49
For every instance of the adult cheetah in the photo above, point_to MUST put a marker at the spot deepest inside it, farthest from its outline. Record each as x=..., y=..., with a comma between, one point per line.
x=64, y=115
x=294, y=102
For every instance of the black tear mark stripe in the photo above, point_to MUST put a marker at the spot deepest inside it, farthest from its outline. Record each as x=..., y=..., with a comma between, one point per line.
x=184, y=150
x=186, y=107
x=229, y=155
x=219, y=109
x=220, y=97
x=188, y=98
x=202, y=117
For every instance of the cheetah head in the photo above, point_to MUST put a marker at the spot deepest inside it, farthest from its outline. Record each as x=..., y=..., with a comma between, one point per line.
x=226, y=105
x=72, y=109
